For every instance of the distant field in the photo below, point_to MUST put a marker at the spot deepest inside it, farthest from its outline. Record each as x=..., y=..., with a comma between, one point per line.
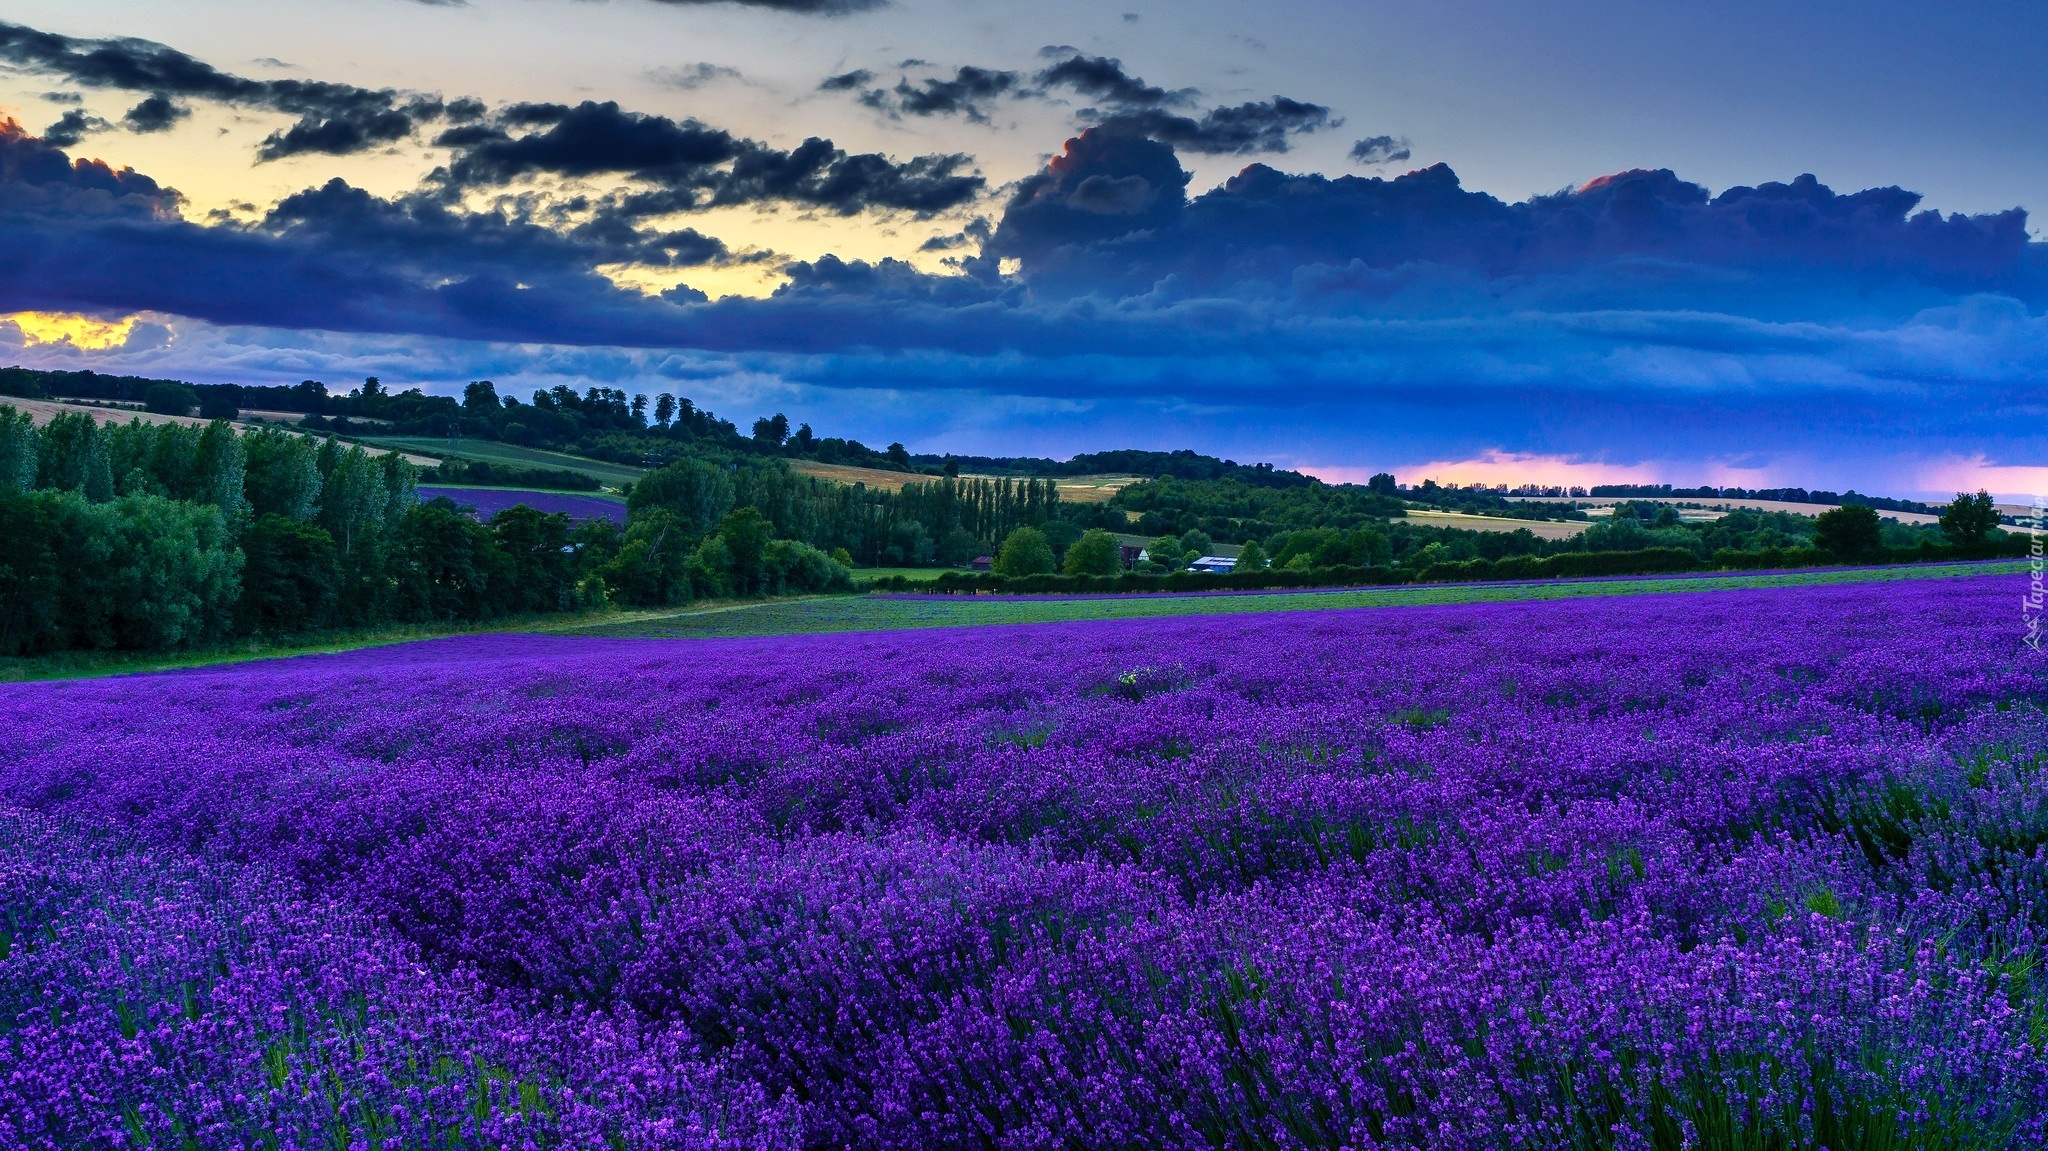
x=889, y=613
x=1541, y=529
x=488, y=502
x=1073, y=489
x=42, y=411
x=878, y=478
x=513, y=455
x=1729, y=505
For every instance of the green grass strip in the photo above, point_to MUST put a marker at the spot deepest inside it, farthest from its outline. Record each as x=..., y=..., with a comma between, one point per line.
x=888, y=613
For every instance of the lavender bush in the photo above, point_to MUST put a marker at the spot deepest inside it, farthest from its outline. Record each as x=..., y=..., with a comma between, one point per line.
x=1736, y=869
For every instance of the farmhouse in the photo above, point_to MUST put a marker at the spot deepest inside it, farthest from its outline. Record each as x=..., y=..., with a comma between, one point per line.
x=981, y=563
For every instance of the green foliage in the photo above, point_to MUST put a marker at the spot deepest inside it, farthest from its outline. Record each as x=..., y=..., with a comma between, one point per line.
x=1025, y=552
x=746, y=533
x=1847, y=531
x=166, y=398
x=1969, y=520
x=73, y=457
x=651, y=567
x=146, y=572
x=1166, y=552
x=1095, y=553
x=1251, y=557
x=17, y=451
x=291, y=579
x=699, y=494
x=789, y=567
x=281, y=474
x=31, y=573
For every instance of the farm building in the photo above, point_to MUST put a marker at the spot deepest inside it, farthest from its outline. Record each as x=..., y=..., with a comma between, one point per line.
x=981, y=563
x=1223, y=565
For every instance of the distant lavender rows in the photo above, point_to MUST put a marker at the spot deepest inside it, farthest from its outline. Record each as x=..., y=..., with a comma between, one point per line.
x=489, y=502
x=1675, y=871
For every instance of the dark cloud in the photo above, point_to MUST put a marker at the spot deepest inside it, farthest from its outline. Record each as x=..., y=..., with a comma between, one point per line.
x=63, y=97
x=335, y=119
x=1274, y=294
x=1130, y=106
x=1103, y=79
x=1248, y=128
x=1610, y=242
x=155, y=114
x=694, y=165
x=1380, y=150
x=847, y=81
x=41, y=187
x=72, y=127
x=965, y=93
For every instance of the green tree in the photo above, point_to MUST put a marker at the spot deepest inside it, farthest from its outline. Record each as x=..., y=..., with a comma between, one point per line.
x=17, y=450
x=1969, y=520
x=651, y=568
x=1198, y=543
x=72, y=457
x=1251, y=557
x=442, y=563
x=147, y=572
x=1025, y=552
x=291, y=576
x=170, y=399
x=1847, y=531
x=282, y=474
x=354, y=499
x=1095, y=553
x=32, y=575
x=699, y=493
x=538, y=556
x=219, y=471
x=219, y=403
x=745, y=533
x=1167, y=553
x=790, y=566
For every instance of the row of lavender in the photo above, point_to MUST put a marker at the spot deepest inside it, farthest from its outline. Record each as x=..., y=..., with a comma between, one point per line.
x=1721, y=869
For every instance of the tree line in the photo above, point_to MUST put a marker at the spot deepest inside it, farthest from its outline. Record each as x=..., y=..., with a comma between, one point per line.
x=143, y=536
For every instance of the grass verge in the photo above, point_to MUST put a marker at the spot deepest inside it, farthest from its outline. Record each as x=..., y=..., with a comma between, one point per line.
x=890, y=612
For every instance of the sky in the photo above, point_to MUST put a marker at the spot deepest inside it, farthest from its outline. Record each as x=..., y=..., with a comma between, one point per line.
x=1586, y=241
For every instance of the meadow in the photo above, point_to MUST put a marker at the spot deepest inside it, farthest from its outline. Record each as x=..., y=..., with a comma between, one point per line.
x=510, y=455
x=1759, y=867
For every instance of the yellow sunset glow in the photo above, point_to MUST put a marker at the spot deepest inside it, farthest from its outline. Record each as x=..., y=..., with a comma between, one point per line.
x=82, y=332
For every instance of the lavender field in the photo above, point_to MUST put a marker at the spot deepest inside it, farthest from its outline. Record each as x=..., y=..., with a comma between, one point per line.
x=488, y=502
x=1732, y=869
